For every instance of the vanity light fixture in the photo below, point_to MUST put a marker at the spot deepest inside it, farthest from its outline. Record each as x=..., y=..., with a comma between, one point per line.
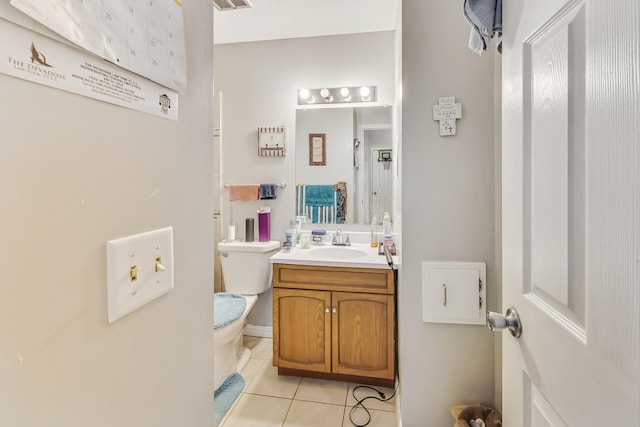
x=305, y=97
x=337, y=95
x=365, y=92
x=345, y=93
x=326, y=94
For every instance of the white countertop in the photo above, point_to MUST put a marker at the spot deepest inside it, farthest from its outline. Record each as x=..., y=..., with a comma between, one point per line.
x=364, y=256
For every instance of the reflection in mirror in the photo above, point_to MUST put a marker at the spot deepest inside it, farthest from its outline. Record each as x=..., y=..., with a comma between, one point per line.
x=355, y=182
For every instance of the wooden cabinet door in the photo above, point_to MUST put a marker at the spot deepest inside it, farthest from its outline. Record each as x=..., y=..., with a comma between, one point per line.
x=302, y=329
x=362, y=334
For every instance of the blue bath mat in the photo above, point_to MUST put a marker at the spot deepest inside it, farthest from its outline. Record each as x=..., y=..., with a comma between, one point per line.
x=227, y=307
x=225, y=395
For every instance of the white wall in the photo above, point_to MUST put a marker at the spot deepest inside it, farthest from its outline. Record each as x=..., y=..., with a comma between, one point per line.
x=259, y=83
x=74, y=173
x=447, y=209
x=373, y=116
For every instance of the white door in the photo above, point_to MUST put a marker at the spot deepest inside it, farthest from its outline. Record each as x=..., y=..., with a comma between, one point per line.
x=373, y=137
x=381, y=184
x=571, y=212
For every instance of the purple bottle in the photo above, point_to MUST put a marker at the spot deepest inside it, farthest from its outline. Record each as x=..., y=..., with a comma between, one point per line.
x=264, y=219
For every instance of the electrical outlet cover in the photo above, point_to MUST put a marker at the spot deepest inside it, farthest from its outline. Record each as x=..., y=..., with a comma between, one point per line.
x=139, y=270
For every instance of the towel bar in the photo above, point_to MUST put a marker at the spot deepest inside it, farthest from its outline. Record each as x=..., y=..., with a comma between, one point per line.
x=280, y=185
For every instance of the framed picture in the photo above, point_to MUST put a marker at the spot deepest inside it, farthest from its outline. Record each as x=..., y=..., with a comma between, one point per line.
x=317, y=149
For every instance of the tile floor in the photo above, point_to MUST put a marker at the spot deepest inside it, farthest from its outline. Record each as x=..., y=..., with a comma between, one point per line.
x=269, y=400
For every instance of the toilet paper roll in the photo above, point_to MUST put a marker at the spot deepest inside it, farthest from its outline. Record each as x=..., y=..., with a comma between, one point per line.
x=231, y=232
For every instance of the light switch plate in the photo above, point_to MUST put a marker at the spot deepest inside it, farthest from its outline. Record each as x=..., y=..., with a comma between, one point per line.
x=139, y=270
x=454, y=292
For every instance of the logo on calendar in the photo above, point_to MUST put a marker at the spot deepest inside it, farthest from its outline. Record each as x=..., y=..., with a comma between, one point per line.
x=165, y=103
x=38, y=66
x=38, y=57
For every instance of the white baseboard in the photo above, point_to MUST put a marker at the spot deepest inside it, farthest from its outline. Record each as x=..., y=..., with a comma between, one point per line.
x=259, y=331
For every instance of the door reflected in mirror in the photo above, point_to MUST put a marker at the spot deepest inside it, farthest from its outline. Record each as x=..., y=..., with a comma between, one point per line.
x=355, y=183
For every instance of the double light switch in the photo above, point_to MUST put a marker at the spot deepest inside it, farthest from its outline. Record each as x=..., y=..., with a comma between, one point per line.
x=139, y=270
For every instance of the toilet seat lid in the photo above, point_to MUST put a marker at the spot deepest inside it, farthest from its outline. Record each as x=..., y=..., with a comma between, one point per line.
x=227, y=307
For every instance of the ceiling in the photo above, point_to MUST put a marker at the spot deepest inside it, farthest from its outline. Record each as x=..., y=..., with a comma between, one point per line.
x=283, y=19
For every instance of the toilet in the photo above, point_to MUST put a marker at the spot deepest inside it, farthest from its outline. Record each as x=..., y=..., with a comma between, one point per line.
x=247, y=273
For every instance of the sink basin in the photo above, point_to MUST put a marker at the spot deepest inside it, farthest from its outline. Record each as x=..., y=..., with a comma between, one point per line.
x=337, y=252
x=358, y=255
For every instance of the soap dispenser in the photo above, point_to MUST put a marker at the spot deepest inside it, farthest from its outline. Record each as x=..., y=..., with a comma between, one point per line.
x=290, y=234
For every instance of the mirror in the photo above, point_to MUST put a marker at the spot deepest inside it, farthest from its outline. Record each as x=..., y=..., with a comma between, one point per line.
x=355, y=144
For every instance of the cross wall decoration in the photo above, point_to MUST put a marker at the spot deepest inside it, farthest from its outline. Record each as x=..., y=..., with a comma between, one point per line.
x=447, y=111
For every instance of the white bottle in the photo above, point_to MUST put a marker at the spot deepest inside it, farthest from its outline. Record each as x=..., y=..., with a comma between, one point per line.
x=387, y=237
x=386, y=226
x=300, y=219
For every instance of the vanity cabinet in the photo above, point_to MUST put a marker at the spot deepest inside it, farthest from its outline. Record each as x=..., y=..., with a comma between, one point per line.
x=334, y=322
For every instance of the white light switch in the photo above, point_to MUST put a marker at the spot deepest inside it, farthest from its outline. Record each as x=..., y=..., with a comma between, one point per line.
x=139, y=270
x=454, y=292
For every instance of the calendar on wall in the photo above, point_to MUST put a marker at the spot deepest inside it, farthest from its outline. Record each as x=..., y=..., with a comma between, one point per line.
x=142, y=36
x=52, y=61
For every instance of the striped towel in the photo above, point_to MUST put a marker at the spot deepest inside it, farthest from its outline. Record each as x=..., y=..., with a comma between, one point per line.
x=317, y=202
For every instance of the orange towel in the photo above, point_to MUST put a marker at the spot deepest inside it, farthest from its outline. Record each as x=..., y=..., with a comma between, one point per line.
x=243, y=192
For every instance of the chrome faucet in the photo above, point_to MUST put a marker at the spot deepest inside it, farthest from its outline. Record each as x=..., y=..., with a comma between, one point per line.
x=337, y=238
x=339, y=241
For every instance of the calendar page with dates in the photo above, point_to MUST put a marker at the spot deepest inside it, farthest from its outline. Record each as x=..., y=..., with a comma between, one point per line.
x=142, y=36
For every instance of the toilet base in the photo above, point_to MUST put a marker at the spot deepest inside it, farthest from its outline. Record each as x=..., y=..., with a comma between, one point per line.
x=229, y=353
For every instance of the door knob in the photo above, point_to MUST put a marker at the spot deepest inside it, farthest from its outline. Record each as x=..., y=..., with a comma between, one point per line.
x=511, y=321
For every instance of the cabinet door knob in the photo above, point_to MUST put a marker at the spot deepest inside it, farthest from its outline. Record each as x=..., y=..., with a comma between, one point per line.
x=335, y=310
x=326, y=310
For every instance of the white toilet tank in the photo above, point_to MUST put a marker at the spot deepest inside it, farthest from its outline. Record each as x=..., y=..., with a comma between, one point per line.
x=245, y=266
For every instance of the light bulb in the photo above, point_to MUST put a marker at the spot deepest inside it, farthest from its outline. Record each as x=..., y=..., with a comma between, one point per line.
x=364, y=92
x=304, y=93
x=344, y=92
x=324, y=92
